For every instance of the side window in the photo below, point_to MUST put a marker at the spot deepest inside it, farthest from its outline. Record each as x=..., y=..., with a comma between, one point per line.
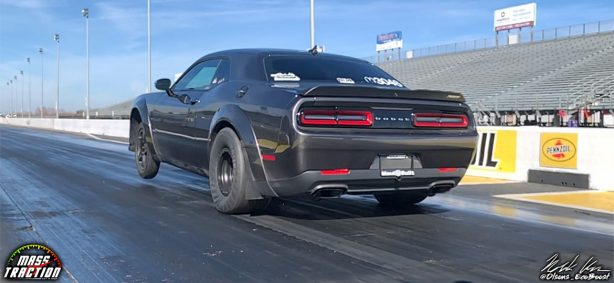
x=199, y=77
x=222, y=74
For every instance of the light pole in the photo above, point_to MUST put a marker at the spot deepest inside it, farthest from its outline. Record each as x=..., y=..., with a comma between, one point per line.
x=22, y=89
x=56, y=37
x=312, y=24
x=8, y=90
x=86, y=14
x=11, y=94
x=15, y=92
x=40, y=50
x=29, y=88
x=149, y=44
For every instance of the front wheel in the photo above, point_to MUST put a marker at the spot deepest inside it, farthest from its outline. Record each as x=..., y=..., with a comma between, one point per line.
x=400, y=199
x=146, y=164
x=228, y=173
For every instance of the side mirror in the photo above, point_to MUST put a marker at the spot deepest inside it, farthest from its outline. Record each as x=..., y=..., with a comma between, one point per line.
x=163, y=84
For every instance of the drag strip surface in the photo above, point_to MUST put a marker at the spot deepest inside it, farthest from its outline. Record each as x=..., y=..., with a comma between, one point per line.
x=85, y=200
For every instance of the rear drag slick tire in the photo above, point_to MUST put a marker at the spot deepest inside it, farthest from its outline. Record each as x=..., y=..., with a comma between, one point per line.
x=228, y=178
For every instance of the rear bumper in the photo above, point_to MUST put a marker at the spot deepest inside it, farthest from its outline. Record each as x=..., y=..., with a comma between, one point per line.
x=295, y=157
x=367, y=181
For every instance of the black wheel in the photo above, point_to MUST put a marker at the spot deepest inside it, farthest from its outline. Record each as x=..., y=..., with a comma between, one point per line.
x=400, y=199
x=146, y=165
x=227, y=173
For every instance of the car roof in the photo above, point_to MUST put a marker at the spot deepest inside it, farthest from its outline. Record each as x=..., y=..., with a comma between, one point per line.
x=247, y=63
x=270, y=51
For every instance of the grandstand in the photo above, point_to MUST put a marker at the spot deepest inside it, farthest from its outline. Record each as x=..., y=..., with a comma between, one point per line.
x=523, y=79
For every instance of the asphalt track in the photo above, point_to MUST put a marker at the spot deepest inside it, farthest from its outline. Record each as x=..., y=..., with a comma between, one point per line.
x=83, y=198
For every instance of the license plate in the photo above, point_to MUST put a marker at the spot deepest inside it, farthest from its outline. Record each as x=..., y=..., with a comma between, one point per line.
x=396, y=165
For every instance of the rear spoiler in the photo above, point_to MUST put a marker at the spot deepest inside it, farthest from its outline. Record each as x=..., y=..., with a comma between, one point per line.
x=377, y=92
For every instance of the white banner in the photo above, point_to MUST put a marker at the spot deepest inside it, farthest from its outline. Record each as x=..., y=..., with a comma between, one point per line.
x=391, y=40
x=516, y=17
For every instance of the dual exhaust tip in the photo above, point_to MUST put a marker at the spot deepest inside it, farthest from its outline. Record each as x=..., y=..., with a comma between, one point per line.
x=336, y=190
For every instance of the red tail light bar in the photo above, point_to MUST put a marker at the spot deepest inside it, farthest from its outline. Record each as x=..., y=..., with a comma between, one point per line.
x=343, y=171
x=336, y=118
x=439, y=120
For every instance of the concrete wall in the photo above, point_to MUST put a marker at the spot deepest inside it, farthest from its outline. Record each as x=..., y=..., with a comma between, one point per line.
x=113, y=128
x=514, y=151
x=594, y=150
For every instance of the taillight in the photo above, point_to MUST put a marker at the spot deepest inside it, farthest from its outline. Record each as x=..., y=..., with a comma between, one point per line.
x=343, y=171
x=439, y=120
x=351, y=118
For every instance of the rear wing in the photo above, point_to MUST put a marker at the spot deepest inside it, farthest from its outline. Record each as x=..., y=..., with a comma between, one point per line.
x=377, y=92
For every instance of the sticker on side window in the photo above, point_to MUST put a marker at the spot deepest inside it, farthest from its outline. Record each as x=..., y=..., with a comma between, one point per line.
x=345, y=81
x=285, y=77
x=383, y=81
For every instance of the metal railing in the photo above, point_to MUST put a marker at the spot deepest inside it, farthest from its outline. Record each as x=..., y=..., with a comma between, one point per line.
x=526, y=35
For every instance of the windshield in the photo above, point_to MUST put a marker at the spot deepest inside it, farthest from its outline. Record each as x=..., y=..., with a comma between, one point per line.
x=296, y=68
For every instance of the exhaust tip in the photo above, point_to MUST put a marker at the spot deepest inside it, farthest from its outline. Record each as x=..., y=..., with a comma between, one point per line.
x=440, y=188
x=328, y=191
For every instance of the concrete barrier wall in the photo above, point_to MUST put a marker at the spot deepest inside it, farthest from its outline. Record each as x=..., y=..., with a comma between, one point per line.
x=503, y=152
x=113, y=128
x=592, y=153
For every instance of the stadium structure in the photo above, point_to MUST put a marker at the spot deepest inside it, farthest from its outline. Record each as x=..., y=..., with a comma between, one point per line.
x=547, y=77
x=543, y=81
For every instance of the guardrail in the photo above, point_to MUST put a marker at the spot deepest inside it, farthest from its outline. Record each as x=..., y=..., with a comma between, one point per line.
x=527, y=35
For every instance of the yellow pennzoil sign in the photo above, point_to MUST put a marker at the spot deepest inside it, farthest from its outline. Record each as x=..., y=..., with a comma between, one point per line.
x=559, y=150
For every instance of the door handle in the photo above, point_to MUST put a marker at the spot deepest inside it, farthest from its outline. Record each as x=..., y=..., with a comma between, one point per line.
x=242, y=91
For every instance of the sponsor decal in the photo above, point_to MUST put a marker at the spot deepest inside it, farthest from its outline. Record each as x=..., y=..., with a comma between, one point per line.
x=495, y=151
x=33, y=262
x=558, y=150
x=383, y=81
x=397, y=173
x=285, y=77
x=574, y=268
x=345, y=81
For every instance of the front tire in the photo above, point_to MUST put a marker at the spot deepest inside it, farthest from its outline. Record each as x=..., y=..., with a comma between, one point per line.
x=400, y=199
x=146, y=164
x=227, y=174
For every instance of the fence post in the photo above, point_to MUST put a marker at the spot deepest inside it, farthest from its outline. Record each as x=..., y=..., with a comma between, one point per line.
x=583, y=29
x=598, y=26
x=542, y=35
x=531, y=34
x=556, y=33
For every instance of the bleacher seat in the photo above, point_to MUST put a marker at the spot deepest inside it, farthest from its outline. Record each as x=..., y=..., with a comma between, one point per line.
x=549, y=75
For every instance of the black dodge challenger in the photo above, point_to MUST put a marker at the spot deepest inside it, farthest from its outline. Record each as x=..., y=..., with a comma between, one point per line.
x=264, y=123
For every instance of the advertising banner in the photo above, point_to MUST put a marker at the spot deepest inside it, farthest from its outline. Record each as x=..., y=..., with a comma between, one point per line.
x=516, y=17
x=496, y=151
x=559, y=150
x=387, y=41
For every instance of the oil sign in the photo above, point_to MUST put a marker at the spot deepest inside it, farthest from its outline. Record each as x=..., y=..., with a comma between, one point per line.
x=496, y=151
x=558, y=150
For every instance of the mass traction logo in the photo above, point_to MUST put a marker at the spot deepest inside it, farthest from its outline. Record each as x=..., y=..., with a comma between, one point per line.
x=559, y=149
x=33, y=262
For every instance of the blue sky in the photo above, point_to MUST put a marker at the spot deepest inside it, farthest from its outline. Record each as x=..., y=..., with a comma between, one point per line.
x=184, y=30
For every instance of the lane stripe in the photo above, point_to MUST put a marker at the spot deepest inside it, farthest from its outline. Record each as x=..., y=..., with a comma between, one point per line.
x=554, y=202
x=106, y=140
